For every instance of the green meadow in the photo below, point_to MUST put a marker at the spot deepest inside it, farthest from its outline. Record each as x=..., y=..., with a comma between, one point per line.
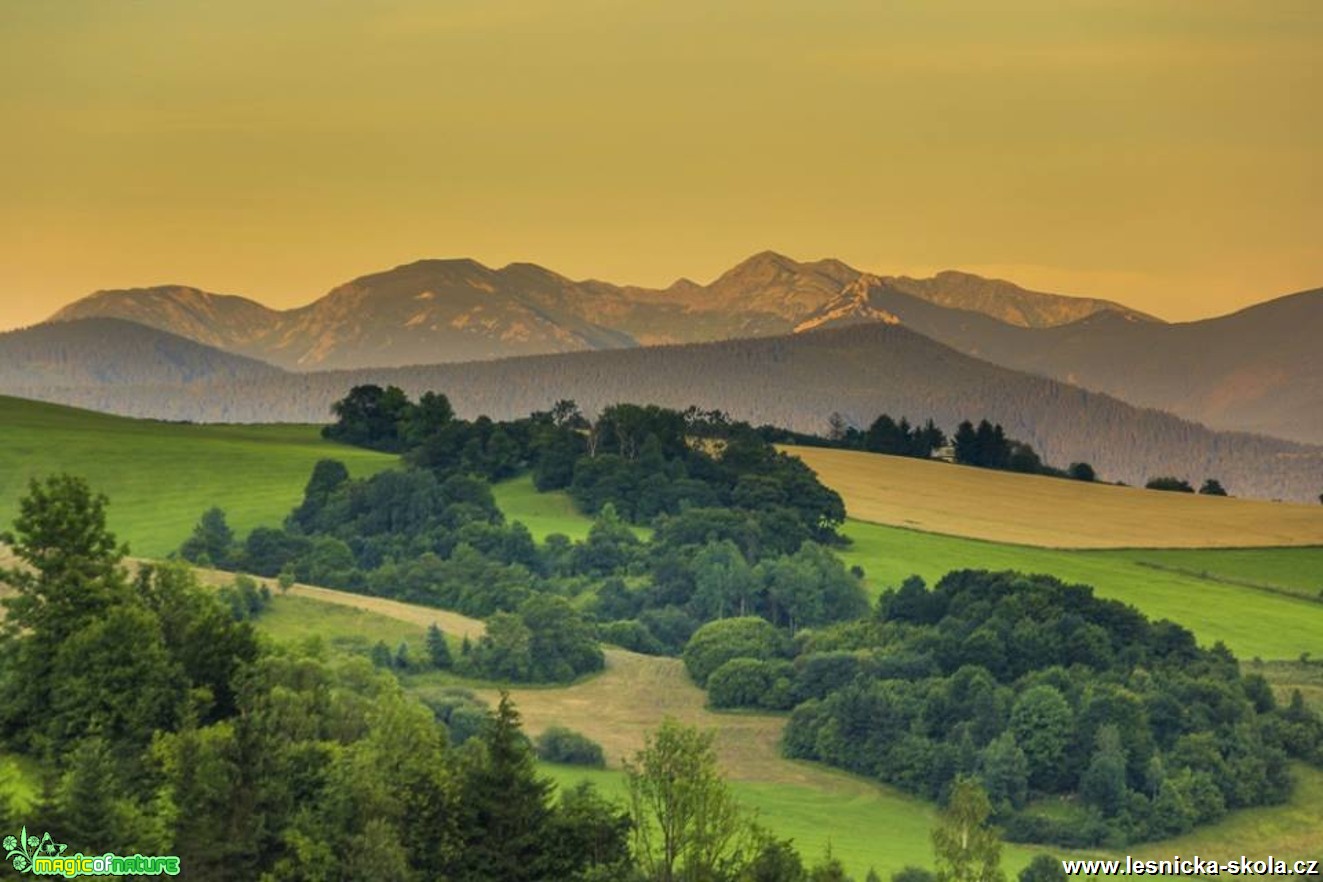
x=1263, y=603
x=887, y=830
x=544, y=513
x=866, y=827
x=1255, y=601
x=160, y=477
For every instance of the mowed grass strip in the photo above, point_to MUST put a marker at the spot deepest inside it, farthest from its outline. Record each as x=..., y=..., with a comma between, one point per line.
x=939, y=497
x=160, y=477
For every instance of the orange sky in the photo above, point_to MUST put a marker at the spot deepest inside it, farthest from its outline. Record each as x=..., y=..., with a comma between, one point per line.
x=1165, y=153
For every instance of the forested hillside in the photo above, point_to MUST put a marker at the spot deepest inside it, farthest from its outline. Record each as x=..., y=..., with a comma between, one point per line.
x=113, y=352
x=796, y=382
x=1258, y=370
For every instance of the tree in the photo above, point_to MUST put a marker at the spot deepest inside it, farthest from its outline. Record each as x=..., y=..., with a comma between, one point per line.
x=328, y=476
x=504, y=652
x=1082, y=471
x=723, y=582
x=1004, y=772
x=836, y=426
x=438, y=652
x=687, y=825
x=1213, y=487
x=72, y=571
x=1043, y=723
x=966, y=847
x=506, y=805
x=1103, y=784
x=718, y=642
x=966, y=445
x=561, y=745
x=70, y=577
x=370, y=416
x=212, y=543
x=94, y=812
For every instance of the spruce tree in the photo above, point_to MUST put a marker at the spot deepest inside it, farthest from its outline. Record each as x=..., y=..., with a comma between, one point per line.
x=507, y=810
x=438, y=652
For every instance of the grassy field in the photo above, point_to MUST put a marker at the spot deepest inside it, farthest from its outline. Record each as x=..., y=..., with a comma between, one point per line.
x=1270, y=623
x=866, y=824
x=1260, y=602
x=631, y=698
x=545, y=513
x=865, y=827
x=160, y=477
x=1034, y=510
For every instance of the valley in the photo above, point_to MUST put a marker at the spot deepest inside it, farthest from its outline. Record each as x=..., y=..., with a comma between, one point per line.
x=1259, y=601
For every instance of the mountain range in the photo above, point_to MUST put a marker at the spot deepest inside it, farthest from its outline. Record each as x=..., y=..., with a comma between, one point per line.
x=435, y=311
x=1258, y=370
x=793, y=380
x=509, y=340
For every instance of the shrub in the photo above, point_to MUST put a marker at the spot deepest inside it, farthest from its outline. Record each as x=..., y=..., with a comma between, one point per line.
x=462, y=713
x=1175, y=485
x=560, y=745
x=718, y=642
x=632, y=635
x=751, y=682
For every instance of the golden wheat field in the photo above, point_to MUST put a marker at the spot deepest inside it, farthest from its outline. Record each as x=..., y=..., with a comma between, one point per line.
x=939, y=497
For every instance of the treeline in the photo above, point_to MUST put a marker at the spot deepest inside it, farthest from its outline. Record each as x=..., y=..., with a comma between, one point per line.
x=1033, y=687
x=161, y=725
x=985, y=445
x=1210, y=486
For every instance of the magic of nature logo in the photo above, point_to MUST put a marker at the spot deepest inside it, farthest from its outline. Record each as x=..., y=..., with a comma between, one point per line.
x=43, y=856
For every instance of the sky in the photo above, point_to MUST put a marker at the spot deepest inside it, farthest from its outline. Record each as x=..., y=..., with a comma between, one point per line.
x=1165, y=153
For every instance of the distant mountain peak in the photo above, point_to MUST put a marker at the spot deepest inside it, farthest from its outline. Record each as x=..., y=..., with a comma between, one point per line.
x=853, y=306
x=1005, y=301
x=458, y=309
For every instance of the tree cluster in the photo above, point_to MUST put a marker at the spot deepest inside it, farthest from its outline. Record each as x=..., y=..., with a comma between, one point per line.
x=1039, y=690
x=1210, y=486
x=645, y=460
x=165, y=728
x=736, y=531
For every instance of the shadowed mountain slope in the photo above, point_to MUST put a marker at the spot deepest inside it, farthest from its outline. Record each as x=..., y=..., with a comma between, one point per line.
x=795, y=381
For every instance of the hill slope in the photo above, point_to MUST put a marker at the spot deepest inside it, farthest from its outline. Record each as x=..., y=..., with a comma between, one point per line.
x=794, y=381
x=159, y=477
x=112, y=352
x=1256, y=370
x=1049, y=512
